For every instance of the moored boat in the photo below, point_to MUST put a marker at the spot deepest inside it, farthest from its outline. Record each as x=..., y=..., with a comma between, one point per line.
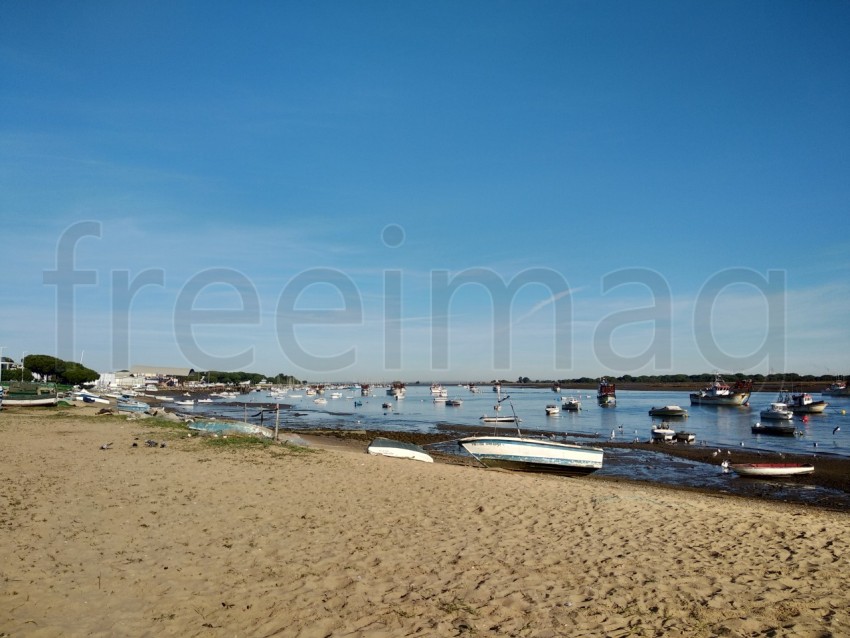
x=496, y=418
x=772, y=470
x=720, y=393
x=552, y=410
x=397, y=390
x=685, y=437
x=777, y=412
x=778, y=428
x=571, y=404
x=662, y=433
x=606, y=394
x=837, y=389
x=668, y=410
x=803, y=403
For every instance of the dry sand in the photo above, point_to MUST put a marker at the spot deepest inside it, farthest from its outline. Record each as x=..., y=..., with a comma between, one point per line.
x=194, y=540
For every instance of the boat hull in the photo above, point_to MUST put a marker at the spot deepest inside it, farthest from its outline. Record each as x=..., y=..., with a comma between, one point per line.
x=775, y=429
x=10, y=401
x=772, y=470
x=398, y=449
x=669, y=410
x=533, y=455
x=499, y=419
x=134, y=406
x=737, y=399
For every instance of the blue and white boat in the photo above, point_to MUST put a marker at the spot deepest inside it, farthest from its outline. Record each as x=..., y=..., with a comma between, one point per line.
x=529, y=454
x=532, y=454
x=132, y=405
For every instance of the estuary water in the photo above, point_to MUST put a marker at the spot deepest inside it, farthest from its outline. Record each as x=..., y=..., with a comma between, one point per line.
x=629, y=420
x=826, y=434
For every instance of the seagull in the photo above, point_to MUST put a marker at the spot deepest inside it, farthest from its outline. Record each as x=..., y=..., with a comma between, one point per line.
x=837, y=429
x=106, y=446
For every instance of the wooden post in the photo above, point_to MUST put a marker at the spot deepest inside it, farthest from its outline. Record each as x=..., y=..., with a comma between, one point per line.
x=276, y=421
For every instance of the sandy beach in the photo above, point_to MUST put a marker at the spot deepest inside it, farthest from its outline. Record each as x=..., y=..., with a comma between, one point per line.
x=201, y=539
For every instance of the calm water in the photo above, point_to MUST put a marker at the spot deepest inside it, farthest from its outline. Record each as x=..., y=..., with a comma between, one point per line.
x=713, y=426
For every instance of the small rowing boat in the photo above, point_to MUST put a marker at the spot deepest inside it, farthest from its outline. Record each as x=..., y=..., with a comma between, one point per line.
x=398, y=449
x=772, y=470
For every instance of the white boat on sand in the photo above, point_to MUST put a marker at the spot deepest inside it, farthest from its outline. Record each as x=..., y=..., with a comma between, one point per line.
x=532, y=454
x=772, y=470
x=381, y=446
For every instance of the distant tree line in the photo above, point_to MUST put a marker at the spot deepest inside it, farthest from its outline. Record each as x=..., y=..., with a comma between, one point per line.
x=788, y=377
x=235, y=378
x=53, y=369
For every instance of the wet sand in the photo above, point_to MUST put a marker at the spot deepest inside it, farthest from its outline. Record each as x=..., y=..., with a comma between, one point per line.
x=200, y=539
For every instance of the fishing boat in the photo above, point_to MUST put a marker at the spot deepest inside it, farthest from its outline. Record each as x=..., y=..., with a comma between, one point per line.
x=398, y=449
x=777, y=412
x=29, y=394
x=668, y=410
x=606, y=395
x=777, y=428
x=837, y=389
x=438, y=390
x=364, y=389
x=496, y=417
x=531, y=454
x=802, y=403
x=552, y=410
x=721, y=393
x=454, y=402
x=397, y=390
x=571, y=404
x=772, y=470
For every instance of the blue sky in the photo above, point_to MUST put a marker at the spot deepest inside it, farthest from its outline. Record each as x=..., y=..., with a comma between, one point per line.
x=442, y=190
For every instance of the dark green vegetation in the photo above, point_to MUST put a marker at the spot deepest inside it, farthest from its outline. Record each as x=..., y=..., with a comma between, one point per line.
x=235, y=378
x=53, y=369
x=789, y=378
